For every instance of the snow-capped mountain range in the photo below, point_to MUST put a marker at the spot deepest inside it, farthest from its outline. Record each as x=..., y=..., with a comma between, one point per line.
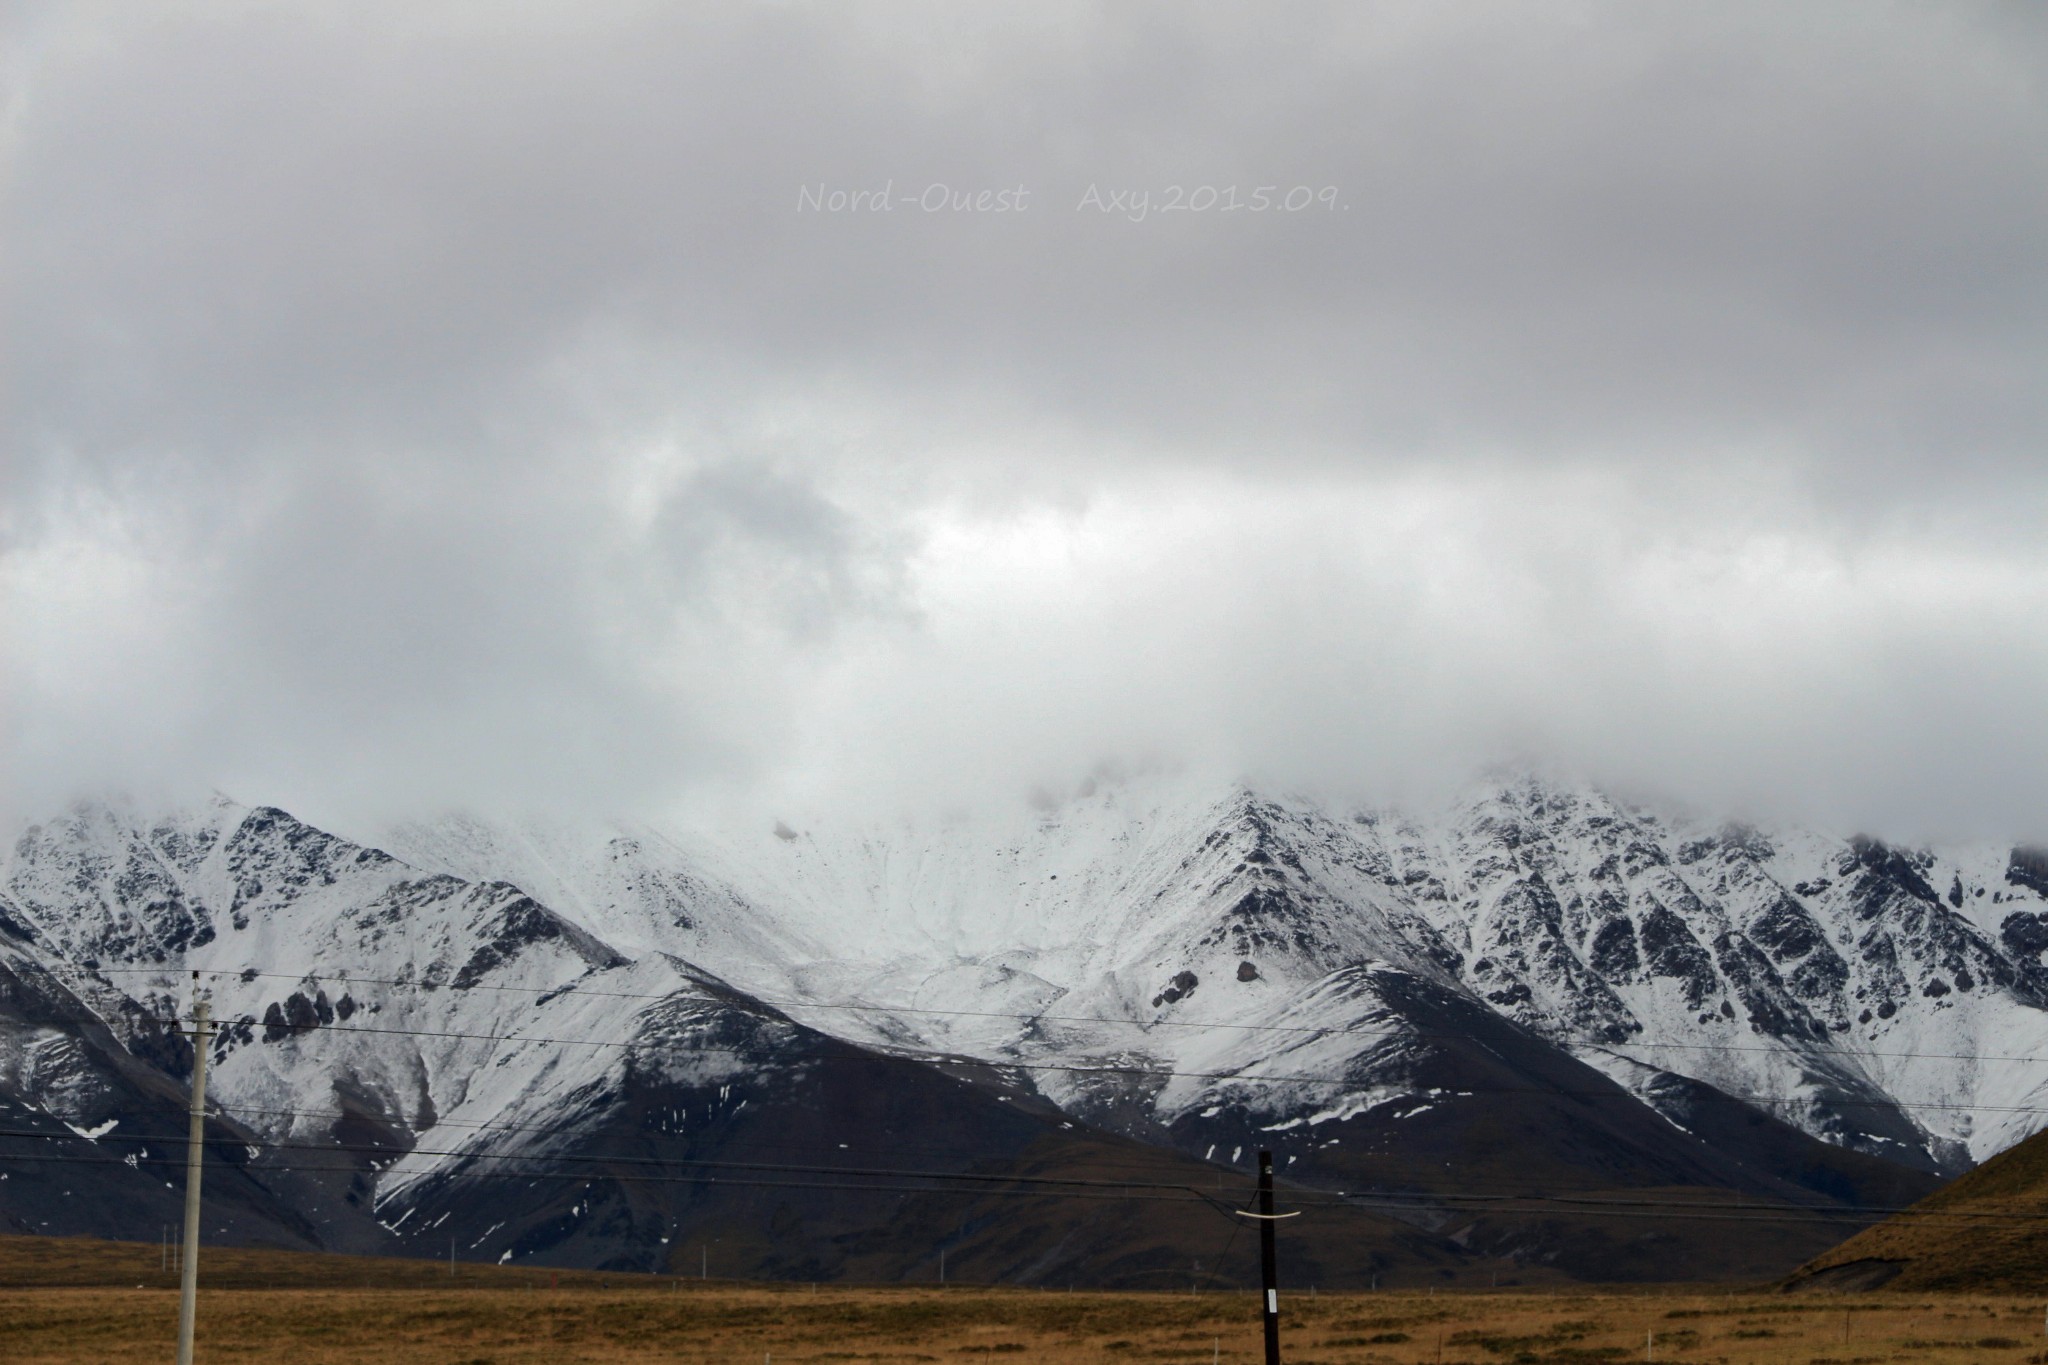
x=1186, y=970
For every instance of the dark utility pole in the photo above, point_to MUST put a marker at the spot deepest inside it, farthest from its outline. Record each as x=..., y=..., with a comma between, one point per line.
x=195, y=1150
x=1269, y=1268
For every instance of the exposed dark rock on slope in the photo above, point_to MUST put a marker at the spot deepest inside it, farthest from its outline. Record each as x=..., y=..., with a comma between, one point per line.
x=610, y=1046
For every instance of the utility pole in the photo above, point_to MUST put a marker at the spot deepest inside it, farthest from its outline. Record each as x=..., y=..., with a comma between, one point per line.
x=1269, y=1265
x=195, y=1147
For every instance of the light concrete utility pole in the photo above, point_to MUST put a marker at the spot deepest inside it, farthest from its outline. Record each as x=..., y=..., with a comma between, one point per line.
x=195, y=1146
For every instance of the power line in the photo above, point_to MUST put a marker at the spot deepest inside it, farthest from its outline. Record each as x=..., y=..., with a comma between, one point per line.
x=472, y=1153
x=1190, y=1196
x=1408, y=1166
x=752, y=1174
x=1415, y=1198
x=1185, y=1195
x=1316, y=1030
x=494, y=1126
x=1590, y=1206
x=863, y=1055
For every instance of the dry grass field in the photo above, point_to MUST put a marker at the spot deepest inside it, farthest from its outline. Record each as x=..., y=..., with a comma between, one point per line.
x=395, y=1313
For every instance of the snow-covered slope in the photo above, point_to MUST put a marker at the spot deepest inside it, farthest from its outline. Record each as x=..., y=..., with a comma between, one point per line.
x=1201, y=969
x=1825, y=979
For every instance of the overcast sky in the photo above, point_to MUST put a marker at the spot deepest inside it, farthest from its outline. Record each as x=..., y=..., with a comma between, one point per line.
x=492, y=404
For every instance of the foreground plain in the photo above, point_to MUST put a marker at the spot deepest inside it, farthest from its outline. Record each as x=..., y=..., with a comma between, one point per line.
x=59, y=1304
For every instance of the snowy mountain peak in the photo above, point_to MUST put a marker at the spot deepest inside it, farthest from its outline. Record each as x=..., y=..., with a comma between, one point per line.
x=1174, y=962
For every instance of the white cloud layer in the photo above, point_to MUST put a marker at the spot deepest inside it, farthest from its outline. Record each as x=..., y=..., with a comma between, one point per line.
x=458, y=404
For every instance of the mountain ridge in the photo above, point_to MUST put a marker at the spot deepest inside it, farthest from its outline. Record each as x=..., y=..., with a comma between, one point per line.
x=1196, y=971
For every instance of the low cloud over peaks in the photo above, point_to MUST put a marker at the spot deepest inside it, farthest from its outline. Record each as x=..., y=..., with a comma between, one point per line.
x=439, y=405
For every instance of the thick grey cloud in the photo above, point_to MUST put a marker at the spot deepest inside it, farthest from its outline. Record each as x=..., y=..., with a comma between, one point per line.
x=458, y=402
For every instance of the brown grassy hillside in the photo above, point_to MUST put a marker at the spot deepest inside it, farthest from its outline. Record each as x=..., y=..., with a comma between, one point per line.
x=1985, y=1233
